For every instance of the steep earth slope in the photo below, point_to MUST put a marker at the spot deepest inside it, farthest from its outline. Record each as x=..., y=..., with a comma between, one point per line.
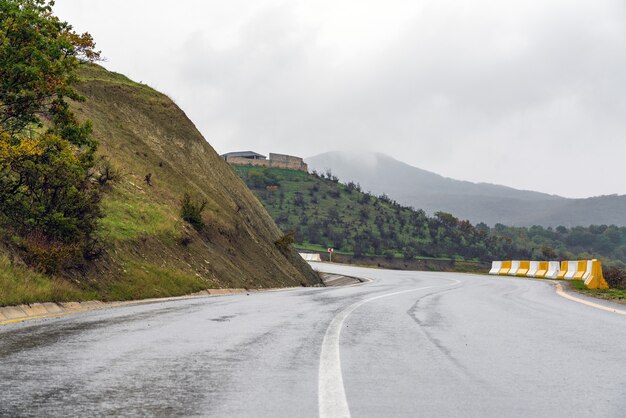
x=149, y=251
x=478, y=202
x=144, y=133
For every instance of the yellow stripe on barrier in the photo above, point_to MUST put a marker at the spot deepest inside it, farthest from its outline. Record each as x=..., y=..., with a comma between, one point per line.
x=523, y=268
x=596, y=279
x=582, y=268
x=506, y=266
x=563, y=270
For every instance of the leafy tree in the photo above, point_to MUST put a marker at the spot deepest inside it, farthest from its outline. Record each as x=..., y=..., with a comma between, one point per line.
x=548, y=253
x=447, y=219
x=48, y=184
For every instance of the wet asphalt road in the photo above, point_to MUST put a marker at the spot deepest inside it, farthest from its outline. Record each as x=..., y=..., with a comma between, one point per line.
x=410, y=344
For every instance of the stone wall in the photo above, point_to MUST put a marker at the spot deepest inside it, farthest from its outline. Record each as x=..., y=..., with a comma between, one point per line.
x=275, y=161
x=287, y=161
x=247, y=161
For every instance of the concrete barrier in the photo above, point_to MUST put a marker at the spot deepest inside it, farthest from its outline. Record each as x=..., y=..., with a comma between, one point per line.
x=596, y=280
x=589, y=271
x=311, y=257
x=542, y=270
x=496, y=266
x=533, y=268
x=524, y=265
x=581, y=270
x=514, y=267
x=572, y=269
x=553, y=269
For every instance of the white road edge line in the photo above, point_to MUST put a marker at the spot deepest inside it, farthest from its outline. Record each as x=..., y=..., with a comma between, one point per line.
x=331, y=392
x=564, y=294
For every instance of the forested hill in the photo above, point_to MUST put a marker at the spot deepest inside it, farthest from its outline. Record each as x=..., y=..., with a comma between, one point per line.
x=324, y=212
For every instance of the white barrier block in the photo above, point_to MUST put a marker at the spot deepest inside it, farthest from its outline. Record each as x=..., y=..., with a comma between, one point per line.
x=495, y=267
x=532, y=270
x=514, y=268
x=553, y=269
x=310, y=257
x=572, y=268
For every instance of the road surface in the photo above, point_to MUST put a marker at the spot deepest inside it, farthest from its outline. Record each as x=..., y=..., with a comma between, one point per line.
x=407, y=344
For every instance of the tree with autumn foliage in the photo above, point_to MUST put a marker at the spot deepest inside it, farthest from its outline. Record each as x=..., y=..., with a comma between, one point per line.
x=49, y=202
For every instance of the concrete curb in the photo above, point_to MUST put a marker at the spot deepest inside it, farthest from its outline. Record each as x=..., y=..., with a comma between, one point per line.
x=13, y=314
x=335, y=280
x=20, y=313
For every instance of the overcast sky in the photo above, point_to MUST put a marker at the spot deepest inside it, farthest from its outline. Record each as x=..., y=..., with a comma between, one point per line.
x=529, y=94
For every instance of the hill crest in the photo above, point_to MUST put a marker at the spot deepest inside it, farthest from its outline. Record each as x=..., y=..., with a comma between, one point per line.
x=478, y=202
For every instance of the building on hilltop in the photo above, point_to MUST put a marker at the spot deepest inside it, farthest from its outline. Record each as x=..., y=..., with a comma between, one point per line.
x=244, y=154
x=275, y=160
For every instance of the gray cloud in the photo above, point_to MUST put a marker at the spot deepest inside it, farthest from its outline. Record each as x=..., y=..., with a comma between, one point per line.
x=528, y=94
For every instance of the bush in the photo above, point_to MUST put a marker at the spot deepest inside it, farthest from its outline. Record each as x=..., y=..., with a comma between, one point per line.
x=46, y=190
x=615, y=277
x=258, y=179
x=284, y=243
x=48, y=256
x=191, y=211
x=409, y=253
x=105, y=172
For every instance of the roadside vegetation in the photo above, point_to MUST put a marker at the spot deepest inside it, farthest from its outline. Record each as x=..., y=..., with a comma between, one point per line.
x=49, y=189
x=615, y=294
x=324, y=213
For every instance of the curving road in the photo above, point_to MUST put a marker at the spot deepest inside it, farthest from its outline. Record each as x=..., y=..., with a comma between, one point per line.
x=407, y=344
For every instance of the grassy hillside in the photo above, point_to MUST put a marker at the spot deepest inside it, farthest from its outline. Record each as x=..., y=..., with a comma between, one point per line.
x=324, y=212
x=149, y=250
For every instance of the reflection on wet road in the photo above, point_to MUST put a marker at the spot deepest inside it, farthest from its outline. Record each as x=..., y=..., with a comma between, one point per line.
x=484, y=347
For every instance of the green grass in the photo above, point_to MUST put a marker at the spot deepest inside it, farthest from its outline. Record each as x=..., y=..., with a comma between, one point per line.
x=145, y=280
x=129, y=216
x=92, y=72
x=618, y=295
x=20, y=285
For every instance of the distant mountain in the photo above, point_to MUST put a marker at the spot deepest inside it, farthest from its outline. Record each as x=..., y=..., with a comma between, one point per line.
x=478, y=202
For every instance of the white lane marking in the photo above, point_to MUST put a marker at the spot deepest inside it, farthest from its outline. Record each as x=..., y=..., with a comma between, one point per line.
x=562, y=293
x=331, y=392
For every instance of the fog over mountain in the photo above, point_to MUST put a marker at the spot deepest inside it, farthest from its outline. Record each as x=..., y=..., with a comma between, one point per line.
x=478, y=202
x=509, y=92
